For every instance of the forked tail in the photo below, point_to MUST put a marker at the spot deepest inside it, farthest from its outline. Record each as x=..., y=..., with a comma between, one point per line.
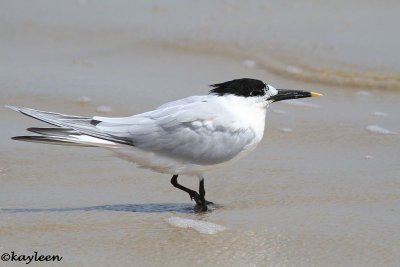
x=69, y=130
x=62, y=136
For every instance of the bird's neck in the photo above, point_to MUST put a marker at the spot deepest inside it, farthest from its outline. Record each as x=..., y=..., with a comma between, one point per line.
x=250, y=111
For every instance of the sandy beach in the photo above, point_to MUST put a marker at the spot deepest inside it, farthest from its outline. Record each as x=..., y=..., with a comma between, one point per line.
x=322, y=188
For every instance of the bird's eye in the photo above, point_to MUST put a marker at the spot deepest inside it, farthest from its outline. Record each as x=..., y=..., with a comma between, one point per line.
x=256, y=93
x=266, y=87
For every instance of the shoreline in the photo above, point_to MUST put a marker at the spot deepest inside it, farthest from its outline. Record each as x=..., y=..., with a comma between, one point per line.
x=321, y=188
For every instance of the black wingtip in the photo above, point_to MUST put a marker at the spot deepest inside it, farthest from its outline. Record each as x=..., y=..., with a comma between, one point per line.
x=52, y=140
x=94, y=122
x=23, y=138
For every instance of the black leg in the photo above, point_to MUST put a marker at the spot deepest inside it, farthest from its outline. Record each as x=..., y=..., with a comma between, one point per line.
x=202, y=192
x=193, y=194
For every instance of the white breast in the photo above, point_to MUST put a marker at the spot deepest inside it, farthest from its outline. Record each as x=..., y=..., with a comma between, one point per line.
x=250, y=112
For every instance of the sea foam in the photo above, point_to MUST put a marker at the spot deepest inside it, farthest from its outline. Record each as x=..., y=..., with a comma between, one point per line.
x=379, y=129
x=380, y=114
x=249, y=63
x=103, y=109
x=200, y=226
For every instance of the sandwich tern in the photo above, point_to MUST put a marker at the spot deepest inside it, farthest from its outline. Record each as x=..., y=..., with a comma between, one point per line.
x=184, y=137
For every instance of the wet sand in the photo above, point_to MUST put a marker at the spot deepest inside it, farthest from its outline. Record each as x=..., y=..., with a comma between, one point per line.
x=322, y=189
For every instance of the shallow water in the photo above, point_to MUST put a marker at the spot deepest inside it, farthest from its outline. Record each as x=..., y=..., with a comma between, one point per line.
x=324, y=193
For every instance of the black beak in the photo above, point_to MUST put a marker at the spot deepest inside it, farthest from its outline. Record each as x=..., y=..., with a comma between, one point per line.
x=284, y=94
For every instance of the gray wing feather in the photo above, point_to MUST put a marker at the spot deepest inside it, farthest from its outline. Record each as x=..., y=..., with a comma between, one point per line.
x=189, y=132
x=185, y=129
x=53, y=140
x=65, y=132
x=83, y=125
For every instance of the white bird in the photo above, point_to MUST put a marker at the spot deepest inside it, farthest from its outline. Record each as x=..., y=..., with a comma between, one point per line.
x=188, y=136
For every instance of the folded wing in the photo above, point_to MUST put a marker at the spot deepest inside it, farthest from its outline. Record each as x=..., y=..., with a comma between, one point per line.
x=190, y=130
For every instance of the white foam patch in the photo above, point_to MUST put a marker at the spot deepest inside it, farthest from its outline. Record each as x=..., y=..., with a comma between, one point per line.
x=363, y=93
x=200, y=226
x=379, y=129
x=249, y=63
x=298, y=103
x=83, y=99
x=103, y=109
x=380, y=114
x=293, y=70
x=368, y=157
x=4, y=171
x=286, y=130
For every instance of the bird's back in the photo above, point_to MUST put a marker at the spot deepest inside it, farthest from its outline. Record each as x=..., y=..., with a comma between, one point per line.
x=197, y=130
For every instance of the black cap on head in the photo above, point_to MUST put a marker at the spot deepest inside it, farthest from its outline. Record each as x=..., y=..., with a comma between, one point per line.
x=240, y=87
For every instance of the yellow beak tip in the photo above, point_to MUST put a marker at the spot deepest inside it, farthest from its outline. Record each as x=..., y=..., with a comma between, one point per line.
x=316, y=94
